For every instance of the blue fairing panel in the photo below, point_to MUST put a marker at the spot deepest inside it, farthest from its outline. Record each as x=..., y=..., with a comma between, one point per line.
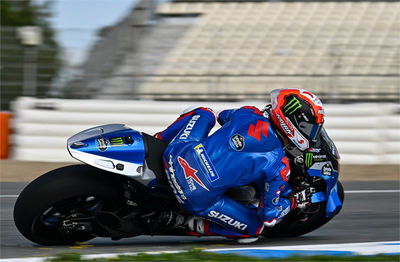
x=318, y=197
x=115, y=148
x=330, y=176
x=125, y=145
x=334, y=203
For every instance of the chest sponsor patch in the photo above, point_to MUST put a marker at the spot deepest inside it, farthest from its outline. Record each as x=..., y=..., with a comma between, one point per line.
x=237, y=142
x=206, y=162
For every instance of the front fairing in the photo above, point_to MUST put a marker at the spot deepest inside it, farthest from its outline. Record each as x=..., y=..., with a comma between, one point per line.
x=115, y=148
x=321, y=161
x=325, y=171
x=324, y=163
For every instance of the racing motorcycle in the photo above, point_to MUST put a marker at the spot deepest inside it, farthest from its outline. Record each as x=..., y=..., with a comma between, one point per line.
x=123, y=180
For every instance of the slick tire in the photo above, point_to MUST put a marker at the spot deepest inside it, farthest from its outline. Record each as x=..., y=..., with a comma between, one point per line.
x=292, y=226
x=62, y=188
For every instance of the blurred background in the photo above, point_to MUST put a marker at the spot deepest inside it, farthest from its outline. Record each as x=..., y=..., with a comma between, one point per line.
x=67, y=65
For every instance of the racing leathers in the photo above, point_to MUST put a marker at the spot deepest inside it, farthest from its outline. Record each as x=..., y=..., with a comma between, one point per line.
x=245, y=150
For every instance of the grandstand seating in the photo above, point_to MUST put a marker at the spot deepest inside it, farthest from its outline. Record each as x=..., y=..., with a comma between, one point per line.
x=243, y=47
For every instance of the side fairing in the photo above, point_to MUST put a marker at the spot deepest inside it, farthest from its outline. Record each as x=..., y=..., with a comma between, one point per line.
x=326, y=171
x=115, y=148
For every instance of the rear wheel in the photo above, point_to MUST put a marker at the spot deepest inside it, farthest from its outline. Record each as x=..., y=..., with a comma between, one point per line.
x=58, y=207
x=296, y=224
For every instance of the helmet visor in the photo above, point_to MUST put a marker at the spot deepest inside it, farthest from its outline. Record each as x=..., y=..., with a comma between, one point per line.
x=310, y=130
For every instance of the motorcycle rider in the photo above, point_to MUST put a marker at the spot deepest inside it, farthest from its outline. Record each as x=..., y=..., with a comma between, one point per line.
x=247, y=149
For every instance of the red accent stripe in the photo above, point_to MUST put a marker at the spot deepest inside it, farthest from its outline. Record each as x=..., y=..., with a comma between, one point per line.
x=178, y=119
x=240, y=236
x=206, y=226
x=259, y=230
x=269, y=222
x=209, y=110
x=158, y=136
x=255, y=110
x=285, y=172
x=195, y=234
x=293, y=204
x=256, y=130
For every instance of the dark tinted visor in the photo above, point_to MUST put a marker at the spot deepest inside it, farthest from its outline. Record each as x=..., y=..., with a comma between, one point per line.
x=310, y=130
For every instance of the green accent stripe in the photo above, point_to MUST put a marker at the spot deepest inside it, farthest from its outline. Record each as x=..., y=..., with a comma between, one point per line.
x=292, y=106
x=309, y=159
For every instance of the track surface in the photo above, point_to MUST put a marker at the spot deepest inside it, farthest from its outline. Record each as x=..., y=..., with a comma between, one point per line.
x=365, y=217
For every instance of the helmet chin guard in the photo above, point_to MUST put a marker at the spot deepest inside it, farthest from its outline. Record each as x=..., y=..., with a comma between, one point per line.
x=298, y=114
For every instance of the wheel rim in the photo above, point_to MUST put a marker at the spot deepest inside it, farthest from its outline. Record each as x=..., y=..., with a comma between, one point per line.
x=59, y=222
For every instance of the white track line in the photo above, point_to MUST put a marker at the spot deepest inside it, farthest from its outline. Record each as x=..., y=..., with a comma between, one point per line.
x=370, y=191
x=346, y=192
x=366, y=248
x=8, y=196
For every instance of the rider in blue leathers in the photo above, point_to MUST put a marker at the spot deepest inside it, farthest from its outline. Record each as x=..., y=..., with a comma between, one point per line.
x=245, y=150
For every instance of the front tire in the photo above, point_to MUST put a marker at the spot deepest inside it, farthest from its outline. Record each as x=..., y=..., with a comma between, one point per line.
x=67, y=192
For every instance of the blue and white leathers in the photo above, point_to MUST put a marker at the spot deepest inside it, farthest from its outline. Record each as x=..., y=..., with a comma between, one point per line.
x=245, y=150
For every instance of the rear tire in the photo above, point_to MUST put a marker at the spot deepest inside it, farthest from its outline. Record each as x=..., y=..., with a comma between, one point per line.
x=66, y=188
x=291, y=226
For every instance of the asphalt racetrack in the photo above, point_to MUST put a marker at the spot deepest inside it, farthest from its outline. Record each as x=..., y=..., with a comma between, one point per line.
x=370, y=213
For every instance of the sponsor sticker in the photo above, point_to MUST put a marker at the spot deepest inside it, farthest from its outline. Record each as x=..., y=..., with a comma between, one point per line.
x=176, y=188
x=314, y=150
x=284, y=212
x=309, y=159
x=206, y=162
x=116, y=141
x=102, y=144
x=190, y=175
x=319, y=158
x=313, y=158
x=237, y=142
x=284, y=126
x=292, y=106
x=189, y=127
x=327, y=169
x=227, y=220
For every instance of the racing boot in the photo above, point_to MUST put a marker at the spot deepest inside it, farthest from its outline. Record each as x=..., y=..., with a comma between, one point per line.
x=169, y=220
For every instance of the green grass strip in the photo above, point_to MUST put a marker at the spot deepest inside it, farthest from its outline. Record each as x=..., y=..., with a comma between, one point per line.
x=198, y=255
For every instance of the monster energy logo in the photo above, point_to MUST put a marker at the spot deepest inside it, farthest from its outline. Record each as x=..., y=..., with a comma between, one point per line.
x=292, y=106
x=309, y=159
x=116, y=141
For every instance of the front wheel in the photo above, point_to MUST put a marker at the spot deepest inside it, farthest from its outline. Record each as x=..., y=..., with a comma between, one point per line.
x=57, y=207
x=296, y=224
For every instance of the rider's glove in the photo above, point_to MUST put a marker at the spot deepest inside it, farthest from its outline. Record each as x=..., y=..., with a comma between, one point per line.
x=301, y=199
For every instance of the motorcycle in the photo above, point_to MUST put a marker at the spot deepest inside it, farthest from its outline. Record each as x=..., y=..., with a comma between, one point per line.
x=123, y=180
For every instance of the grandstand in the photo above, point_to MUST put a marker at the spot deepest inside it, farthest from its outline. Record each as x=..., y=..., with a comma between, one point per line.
x=229, y=50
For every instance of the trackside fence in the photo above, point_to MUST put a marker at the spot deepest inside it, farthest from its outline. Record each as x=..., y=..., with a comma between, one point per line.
x=365, y=133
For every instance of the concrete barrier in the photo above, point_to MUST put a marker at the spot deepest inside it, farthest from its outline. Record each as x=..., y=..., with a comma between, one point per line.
x=364, y=133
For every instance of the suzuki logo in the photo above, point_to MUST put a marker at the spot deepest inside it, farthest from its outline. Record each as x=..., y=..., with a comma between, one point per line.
x=256, y=130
